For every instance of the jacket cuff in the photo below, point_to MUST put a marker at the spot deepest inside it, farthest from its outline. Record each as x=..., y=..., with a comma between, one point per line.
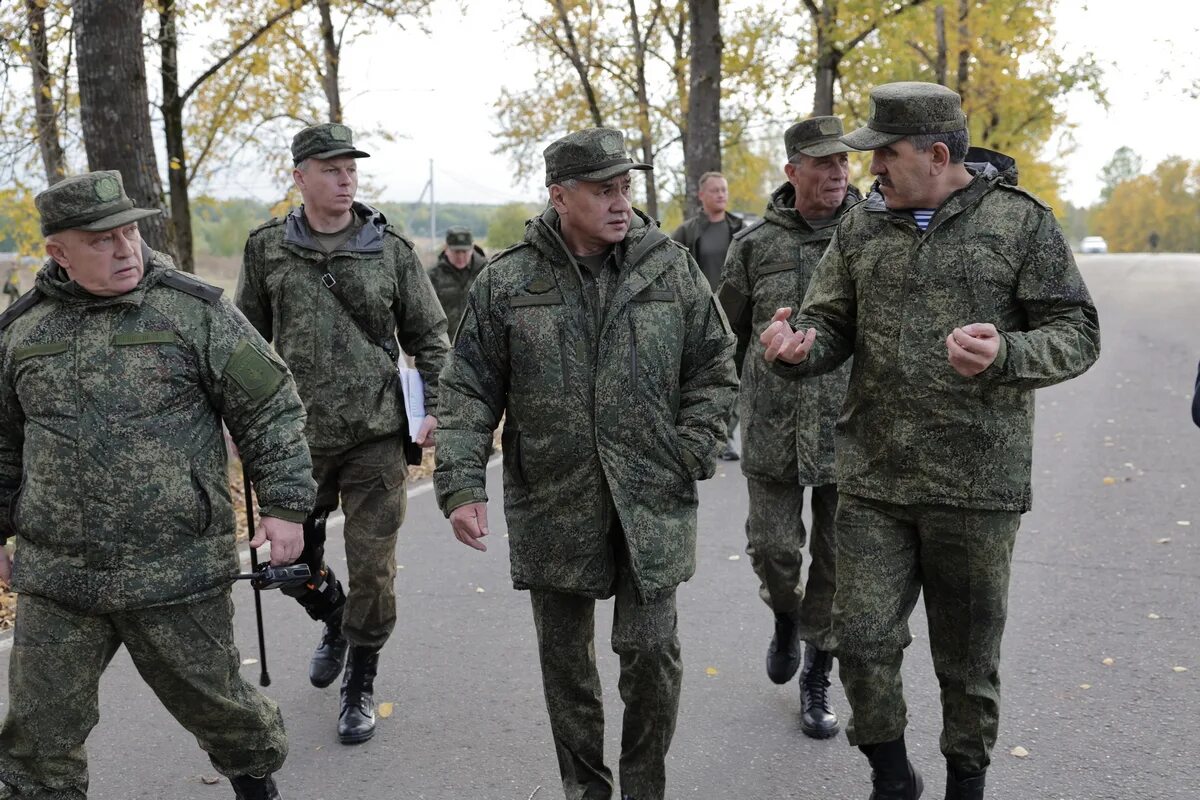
x=286, y=514
x=996, y=368
x=463, y=497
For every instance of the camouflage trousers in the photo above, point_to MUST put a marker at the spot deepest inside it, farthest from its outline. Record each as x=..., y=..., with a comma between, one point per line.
x=184, y=652
x=961, y=558
x=775, y=538
x=645, y=638
x=368, y=479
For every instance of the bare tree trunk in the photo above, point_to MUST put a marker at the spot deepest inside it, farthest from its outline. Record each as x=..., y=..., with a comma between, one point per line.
x=679, y=68
x=939, y=21
x=964, y=46
x=114, y=106
x=329, y=79
x=828, y=58
x=703, y=153
x=172, y=109
x=43, y=94
x=643, y=101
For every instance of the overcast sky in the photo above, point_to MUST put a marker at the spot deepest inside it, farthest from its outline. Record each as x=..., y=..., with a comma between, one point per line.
x=437, y=92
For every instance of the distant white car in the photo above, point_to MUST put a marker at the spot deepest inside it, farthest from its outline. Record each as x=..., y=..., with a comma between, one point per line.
x=1093, y=244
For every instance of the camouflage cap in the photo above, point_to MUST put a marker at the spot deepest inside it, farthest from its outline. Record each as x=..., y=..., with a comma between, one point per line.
x=94, y=201
x=459, y=238
x=907, y=108
x=816, y=137
x=327, y=140
x=592, y=154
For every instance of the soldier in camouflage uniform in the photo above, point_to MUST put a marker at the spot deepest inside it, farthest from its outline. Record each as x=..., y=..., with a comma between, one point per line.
x=334, y=286
x=787, y=438
x=599, y=340
x=957, y=294
x=457, y=267
x=116, y=373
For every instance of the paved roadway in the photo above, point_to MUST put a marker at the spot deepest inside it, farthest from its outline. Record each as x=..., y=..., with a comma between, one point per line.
x=1105, y=569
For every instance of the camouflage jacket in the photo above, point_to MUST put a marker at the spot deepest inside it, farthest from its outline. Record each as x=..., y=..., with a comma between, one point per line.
x=451, y=285
x=629, y=415
x=914, y=430
x=113, y=468
x=769, y=266
x=346, y=380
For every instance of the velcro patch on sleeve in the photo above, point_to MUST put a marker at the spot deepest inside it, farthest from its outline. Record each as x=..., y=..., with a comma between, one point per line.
x=253, y=372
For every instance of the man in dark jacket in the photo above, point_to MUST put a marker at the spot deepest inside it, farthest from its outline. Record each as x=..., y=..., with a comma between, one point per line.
x=601, y=343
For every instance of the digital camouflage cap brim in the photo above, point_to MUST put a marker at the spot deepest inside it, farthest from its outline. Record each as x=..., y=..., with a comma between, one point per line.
x=592, y=154
x=907, y=108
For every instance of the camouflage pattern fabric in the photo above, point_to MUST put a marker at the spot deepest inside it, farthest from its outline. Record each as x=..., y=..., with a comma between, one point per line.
x=775, y=538
x=889, y=294
x=58, y=656
x=623, y=409
x=644, y=637
x=110, y=423
x=787, y=426
x=369, y=480
x=451, y=285
x=346, y=380
x=961, y=559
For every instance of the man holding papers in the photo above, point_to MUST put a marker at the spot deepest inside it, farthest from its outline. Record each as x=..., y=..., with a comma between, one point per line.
x=339, y=292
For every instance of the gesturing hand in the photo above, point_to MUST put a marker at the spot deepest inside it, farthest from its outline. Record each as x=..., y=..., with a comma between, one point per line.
x=785, y=344
x=972, y=348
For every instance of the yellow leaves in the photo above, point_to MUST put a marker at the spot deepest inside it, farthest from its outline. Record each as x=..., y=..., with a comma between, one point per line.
x=385, y=710
x=210, y=780
x=176, y=163
x=1019, y=752
x=1108, y=662
x=1109, y=480
x=711, y=672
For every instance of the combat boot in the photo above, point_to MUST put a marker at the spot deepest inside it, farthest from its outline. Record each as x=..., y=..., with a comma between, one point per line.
x=893, y=777
x=817, y=719
x=356, y=722
x=783, y=654
x=248, y=787
x=964, y=786
x=330, y=656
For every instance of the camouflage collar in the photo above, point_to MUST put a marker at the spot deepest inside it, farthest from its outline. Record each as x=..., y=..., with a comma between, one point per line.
x=53, y=282
x=982, y=183
x=368, y=239
x=643, y=236
x=781, y=210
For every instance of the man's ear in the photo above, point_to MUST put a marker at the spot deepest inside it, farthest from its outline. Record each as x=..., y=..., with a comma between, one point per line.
x=939, y=158
x=55, y=250
x=557, y=198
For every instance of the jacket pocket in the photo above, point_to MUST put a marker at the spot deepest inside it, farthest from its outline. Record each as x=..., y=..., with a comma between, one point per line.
x=34, y=350
x=202, y=515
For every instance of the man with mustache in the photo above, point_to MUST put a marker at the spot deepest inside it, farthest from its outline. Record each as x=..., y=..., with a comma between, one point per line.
x=957, y=294
x=787, y=434
x=339, y=291
x=599, y=341
x=116, y=374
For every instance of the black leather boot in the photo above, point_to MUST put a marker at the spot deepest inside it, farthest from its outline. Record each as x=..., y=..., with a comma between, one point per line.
x=330, y=656
x=817, y=719
x=356, y=723
x=893, y=777
x=783, y=654
x=248, y=787
x=964, y=786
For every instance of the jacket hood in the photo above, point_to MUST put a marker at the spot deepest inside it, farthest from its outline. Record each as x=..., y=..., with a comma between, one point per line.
x=781, y=208
x=992, y=166
x=367, y=239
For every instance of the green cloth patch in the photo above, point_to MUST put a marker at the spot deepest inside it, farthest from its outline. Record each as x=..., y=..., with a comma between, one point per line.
x=48, y=349
x=145, y=337
x=257, y=376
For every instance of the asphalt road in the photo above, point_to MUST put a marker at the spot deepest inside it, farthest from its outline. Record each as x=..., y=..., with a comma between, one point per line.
x=1107, y=567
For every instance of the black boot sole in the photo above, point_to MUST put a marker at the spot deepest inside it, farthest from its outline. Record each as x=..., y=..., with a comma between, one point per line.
x=356, y=738
x=820, y=733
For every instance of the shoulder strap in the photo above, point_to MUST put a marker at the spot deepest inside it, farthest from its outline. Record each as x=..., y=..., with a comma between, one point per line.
x=20, y=306
x=388, y=343
x=192, y=285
